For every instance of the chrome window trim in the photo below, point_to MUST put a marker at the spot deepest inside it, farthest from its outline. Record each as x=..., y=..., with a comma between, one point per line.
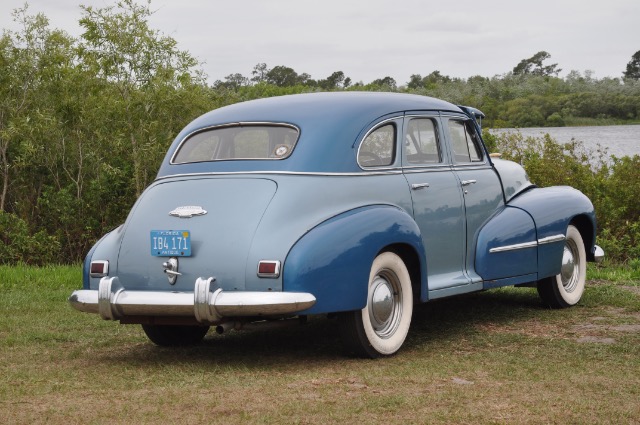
x=235, y=124
x=437, y=168
x=485, y=155
x=470, y=166
x=439, y=141
x=395, y=150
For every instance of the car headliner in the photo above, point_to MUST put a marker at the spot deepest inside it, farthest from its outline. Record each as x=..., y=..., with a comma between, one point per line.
x=329, y=123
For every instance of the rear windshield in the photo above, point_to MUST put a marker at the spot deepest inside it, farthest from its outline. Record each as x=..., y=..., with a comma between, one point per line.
x=243, y=141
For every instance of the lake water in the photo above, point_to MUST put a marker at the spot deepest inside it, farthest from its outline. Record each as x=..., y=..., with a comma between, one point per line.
x=620, y=140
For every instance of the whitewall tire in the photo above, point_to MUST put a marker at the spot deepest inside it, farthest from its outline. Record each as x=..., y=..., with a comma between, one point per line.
x=380, y=328
x=566, y=288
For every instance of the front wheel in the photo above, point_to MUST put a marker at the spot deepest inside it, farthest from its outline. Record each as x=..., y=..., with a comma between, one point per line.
x=175, y=335
x=380, y=328
x=565, y=289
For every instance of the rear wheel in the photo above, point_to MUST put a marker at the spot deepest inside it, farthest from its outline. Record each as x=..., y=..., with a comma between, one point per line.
x=565, y=289
x=380, y=328
x=174, y=336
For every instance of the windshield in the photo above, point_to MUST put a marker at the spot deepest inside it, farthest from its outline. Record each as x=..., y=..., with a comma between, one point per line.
x=239, y=141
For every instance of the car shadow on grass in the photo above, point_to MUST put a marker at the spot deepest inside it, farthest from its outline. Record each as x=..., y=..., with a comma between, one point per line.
x=318, y=340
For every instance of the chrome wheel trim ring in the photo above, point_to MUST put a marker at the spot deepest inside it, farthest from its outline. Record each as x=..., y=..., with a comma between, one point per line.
x=385, y=304
x=570, y=270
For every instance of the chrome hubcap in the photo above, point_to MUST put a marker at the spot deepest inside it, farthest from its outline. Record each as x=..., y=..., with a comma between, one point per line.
x=568, y=273
x=385, y=304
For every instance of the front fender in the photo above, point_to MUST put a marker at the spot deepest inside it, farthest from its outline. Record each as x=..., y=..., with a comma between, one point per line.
x=333, y=260
x=553, y=209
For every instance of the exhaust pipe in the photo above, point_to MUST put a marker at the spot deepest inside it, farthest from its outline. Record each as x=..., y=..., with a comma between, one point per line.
x=263, y=324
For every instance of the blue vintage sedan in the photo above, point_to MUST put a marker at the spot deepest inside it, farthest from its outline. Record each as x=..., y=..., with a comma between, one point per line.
x=356, y=204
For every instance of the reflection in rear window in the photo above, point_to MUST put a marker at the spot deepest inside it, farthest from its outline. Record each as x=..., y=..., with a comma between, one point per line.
x=257, y=141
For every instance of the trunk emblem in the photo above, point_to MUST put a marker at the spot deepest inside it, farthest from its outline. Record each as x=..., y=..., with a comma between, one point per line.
x=188, y=211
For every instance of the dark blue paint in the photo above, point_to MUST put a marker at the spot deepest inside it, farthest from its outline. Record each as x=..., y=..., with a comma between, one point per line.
x=509, y=227
x=334, y=259
x=553, y=209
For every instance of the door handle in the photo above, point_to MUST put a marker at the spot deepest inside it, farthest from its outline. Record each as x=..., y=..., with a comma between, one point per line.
x=417, y=186
x=468, y=182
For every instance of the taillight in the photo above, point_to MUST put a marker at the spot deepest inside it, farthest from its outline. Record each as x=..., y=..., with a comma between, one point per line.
x=99, y=268
x=268, y=268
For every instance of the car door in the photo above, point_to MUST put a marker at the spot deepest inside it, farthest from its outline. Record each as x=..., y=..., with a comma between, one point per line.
x=437, y=200
x=481, y=188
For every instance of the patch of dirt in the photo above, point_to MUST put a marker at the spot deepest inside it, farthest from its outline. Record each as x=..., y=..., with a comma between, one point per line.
x=603, y=328
x=634, y=289
x=595, y=339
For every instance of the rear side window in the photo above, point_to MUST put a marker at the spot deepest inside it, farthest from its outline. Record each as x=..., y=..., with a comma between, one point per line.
x=421, y=142
x=465, y=143
x=238, y=142
x=378, y=148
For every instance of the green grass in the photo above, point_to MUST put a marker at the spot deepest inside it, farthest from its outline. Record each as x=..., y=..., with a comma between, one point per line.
x=491, y=357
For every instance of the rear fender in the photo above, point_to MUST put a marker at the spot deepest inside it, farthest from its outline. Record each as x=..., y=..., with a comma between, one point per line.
x=106, y=249
x=333, y=260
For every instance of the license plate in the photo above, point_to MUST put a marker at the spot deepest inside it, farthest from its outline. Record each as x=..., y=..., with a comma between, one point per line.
x=171, y=243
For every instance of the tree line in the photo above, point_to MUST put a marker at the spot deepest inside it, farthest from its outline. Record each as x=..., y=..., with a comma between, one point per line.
x=85, y=123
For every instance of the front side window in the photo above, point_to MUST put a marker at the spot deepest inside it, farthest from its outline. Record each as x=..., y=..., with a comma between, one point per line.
x=378, y=148
x=465, y=144
x=257, y=141
x=421, y=142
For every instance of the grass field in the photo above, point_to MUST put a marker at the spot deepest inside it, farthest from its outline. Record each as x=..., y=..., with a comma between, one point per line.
x=491, y=357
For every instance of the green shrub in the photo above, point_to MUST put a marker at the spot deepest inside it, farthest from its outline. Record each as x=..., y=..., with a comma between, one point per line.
x=19, y=245
x=612, y=185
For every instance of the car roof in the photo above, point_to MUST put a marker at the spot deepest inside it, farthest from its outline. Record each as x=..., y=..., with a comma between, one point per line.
x=330, y=123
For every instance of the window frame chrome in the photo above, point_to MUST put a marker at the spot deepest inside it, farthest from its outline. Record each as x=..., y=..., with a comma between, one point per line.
x=393, y=165
x=235, y=124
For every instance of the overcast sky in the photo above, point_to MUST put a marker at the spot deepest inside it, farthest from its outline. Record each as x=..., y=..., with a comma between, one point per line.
x=369, y=39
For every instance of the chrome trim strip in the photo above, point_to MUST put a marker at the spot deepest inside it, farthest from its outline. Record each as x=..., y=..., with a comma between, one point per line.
x=395, y=170
x=208, y=303
x=476, y=166
x=514, y=247
x=524, y=245
x=552, y=239
x=426, y=168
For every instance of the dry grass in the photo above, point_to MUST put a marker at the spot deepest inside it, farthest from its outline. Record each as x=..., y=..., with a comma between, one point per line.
x=494, y=357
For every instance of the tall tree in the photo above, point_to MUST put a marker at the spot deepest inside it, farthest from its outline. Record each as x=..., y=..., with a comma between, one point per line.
x=259, y=72
x=633, y=67
x=534, y=66
x=283, y=76
x=140, y=62
x=21, y=58
x=386, y=82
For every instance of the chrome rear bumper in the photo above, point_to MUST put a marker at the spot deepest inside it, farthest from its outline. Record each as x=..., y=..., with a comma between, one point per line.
x=208, y=303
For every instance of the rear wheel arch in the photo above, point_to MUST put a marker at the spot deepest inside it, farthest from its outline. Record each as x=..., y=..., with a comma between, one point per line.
x=343, y=249
x=411, y=259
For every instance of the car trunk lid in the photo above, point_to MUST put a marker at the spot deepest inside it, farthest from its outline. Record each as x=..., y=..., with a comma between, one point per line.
x=220, y=216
